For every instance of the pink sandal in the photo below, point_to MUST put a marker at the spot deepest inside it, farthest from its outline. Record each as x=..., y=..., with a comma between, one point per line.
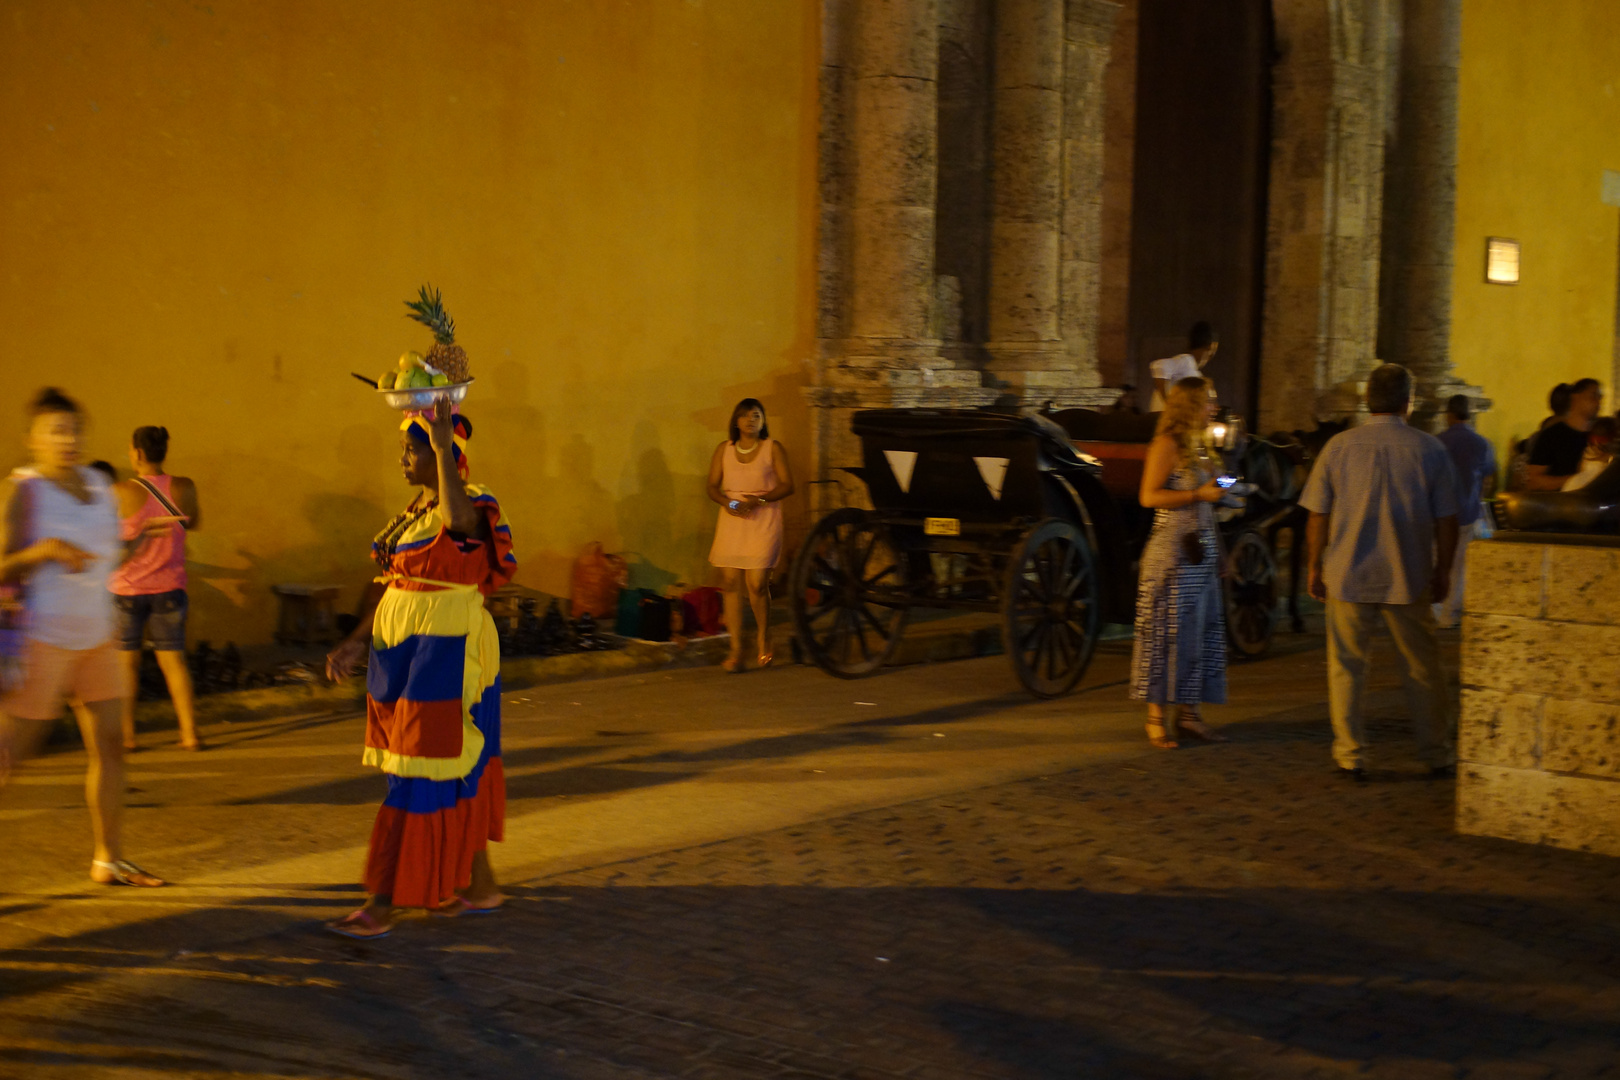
x=360, y=925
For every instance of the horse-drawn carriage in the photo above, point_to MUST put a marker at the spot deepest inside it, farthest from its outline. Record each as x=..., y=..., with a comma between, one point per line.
x=1033, y=518
x=972, y=510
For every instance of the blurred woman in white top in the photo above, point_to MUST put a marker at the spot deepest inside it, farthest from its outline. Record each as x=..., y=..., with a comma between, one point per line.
x=59, y=542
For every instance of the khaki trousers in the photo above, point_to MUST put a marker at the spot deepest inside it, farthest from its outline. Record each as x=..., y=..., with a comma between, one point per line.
x=1349, y=633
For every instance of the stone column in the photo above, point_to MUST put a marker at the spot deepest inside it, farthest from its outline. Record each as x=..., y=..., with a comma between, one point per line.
x=1420, y=204
x=1325, y=200
x=1046, y=224
x=1026, y=205
x=1088, y=34
x=893, y=83
x=880, y=344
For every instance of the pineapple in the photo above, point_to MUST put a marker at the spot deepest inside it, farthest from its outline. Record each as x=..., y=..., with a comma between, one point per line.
x=446, y=355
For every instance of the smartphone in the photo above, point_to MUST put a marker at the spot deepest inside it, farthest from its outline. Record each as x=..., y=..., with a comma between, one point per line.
x=1225, y=481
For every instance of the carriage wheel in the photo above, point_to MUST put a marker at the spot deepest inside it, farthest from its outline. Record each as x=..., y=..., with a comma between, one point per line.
x=847, y=587
x=1051, y=608
x=1251, y=595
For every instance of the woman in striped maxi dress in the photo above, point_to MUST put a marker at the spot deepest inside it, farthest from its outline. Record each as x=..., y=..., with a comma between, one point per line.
x=1180, y=651
x=433, y=686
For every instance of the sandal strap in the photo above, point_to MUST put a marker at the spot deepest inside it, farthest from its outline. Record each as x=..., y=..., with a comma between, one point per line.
x=122, y=869
x=360, y=915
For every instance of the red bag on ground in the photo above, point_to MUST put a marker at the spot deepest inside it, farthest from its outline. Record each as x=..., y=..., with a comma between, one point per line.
x=598, y=577
x=702, y=611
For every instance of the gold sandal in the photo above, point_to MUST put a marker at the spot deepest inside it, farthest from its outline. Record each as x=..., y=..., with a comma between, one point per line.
x=1159, y=736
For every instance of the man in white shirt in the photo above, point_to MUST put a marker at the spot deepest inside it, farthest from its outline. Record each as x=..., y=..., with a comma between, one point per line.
x=1381, y=536
x=1202, y=341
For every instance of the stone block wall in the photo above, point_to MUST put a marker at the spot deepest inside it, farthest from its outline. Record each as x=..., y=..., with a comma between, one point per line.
x=1538, y=739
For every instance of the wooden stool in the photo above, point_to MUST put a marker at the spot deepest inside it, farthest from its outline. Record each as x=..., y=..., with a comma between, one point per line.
x=306, y=614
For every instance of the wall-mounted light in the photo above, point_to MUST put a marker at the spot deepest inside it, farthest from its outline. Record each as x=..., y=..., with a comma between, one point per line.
x=1501, y=261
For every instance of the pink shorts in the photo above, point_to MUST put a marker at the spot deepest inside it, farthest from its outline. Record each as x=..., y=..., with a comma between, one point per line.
x=52, y=674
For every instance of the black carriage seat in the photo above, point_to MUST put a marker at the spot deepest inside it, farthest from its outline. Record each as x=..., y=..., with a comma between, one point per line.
x=1055, y=452
x=973, y=464
x=1084, y=425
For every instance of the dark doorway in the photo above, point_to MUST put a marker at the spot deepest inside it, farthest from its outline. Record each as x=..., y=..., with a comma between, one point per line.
x=1198, y=219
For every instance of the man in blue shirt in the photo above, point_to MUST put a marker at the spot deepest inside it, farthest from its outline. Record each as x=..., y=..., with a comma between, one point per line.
x=1473, y=461
x=1379, y=542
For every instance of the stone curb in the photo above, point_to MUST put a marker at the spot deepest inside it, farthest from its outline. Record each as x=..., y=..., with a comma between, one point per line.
x=926, y=643
x=517, y=673
x=956, y=637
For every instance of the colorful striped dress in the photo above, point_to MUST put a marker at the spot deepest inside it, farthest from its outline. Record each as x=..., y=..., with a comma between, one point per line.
x=1179, y=655
x=433, y=703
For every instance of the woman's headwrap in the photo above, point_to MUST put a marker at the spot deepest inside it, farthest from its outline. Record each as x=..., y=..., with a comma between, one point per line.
x=416, y=424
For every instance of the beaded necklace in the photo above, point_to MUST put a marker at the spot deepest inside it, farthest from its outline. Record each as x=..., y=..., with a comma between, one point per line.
x=386, y=543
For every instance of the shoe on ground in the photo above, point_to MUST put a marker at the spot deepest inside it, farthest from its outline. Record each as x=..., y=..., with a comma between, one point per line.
x=1357, y=775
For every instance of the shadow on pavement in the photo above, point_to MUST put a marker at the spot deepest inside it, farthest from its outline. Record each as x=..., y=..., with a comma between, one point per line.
x=998, y=982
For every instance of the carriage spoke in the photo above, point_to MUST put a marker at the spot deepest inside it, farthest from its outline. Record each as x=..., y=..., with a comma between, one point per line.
x=812, y=614
x=880, y=575
x=1067, y=641
x=834, y=638
x=1073, y=585
x=859, y=632
x=1048, y=652
x=1046, y=571
x=1028, y=636
x=1031, y=643
x=882, y=631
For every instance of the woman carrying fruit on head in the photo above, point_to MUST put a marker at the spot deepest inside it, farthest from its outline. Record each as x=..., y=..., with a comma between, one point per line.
x=433, y=688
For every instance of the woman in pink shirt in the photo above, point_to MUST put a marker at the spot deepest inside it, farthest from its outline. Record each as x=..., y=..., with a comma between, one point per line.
x=150, y=589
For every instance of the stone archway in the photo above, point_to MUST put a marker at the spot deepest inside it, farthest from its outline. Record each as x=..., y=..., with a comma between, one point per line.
x=1363, y=117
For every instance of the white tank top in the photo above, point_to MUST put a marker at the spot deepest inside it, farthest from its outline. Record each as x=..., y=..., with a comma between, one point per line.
x=71, y=611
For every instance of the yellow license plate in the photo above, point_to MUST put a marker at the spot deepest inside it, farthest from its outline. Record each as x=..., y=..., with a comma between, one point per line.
x=942, y=526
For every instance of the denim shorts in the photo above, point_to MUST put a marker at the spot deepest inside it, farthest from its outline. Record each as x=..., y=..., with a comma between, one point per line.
x=159, y=616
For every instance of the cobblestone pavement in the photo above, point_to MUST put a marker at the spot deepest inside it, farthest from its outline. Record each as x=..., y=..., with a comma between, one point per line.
x=1220, y=911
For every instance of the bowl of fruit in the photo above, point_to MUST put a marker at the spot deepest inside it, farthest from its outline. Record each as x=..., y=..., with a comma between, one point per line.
x=441, y=375
x=417, y=385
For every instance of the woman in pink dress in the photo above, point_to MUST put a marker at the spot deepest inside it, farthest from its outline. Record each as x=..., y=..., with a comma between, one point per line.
x=749, y=477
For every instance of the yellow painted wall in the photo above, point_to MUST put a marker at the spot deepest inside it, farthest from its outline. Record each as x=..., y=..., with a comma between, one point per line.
x=1539, y=121
x=211, y=212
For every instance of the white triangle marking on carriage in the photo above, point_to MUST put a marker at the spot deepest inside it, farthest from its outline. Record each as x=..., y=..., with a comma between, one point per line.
x=992, y=470
x=901, y=463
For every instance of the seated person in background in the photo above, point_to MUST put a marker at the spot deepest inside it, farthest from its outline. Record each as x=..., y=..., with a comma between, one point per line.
x=1560, y=446
x=1519, y=462
x=1599, y=452
x=1127, y=400
x=1202, y=342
